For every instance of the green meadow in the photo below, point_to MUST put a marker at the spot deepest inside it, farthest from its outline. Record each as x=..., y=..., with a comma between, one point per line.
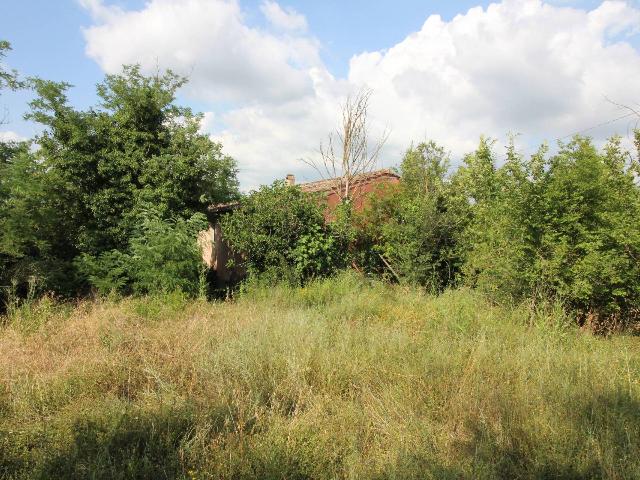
x=344, y=378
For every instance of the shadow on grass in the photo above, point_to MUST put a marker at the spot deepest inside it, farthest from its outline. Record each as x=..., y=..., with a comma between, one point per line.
x=130, y=446
x=604, y=443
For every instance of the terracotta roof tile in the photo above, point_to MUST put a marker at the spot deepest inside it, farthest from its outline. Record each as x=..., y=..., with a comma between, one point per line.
x=319, y=186
x=330, y=184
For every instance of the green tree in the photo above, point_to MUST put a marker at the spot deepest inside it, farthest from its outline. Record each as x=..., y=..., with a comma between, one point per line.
x=9, y=79
x=591, y=243
x=501, y=240
x=417, y=225
x=565, y=227
x=280, y=231
x=163, y=257
x=82, y=193
x=138, y=149
x=20, y=193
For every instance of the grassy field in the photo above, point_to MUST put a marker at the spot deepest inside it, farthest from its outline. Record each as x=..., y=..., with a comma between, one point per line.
x=341, y=379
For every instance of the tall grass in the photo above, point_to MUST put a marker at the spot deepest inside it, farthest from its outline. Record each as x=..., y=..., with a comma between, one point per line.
x=340, y=379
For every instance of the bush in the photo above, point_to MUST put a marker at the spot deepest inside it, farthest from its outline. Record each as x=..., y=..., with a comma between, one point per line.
x=417, y=227
x=560, y=229
x=280, y=232
x=565, y=227
x=166, y=256
x=107, y=273
x=163, y=257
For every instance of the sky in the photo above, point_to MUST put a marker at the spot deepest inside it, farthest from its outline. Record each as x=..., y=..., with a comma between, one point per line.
x=270, y=76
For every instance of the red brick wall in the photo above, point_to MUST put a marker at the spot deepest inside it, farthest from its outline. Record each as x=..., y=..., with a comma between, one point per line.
x=361, y=194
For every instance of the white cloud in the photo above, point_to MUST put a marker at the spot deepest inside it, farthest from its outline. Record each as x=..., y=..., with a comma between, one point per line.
x=9, y=136
x=270, y=140
x=287, y=19
x=614, y=17
x=101, y=12
x=207, y=40
x=522, y=66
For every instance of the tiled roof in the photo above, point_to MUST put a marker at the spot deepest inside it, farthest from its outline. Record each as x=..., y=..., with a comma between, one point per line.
x=332, y=183
x=319, y=186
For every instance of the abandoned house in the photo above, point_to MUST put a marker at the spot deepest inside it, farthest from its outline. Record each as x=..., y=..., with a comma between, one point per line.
x=216, y=253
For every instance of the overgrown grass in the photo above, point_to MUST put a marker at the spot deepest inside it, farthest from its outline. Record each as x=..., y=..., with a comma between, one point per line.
x=340, y=379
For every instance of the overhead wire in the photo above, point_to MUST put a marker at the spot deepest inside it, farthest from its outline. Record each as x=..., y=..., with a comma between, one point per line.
x=630, y=114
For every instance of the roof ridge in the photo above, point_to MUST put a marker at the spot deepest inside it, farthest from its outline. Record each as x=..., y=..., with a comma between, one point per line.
x=325, y=184
x=322, y=185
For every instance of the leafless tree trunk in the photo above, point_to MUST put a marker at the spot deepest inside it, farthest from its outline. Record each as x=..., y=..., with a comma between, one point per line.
x=348, y=153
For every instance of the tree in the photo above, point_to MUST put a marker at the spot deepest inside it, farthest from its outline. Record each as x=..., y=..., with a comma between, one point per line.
x=634, y=113
x=138, y=149
x=591, y=243
x=280, y=230
x=500, y=241
x=135, y=150
x=416, y=227
x=348, y=153
x=8, y=78
x=565, y=228
x=98, y=170
x=163, y=257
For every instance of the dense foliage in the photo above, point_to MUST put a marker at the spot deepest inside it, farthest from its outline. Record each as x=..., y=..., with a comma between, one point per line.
x=162, y=257
x=416, y=227
x=564, y=227
x=83, y=197
x=111, y=198
x=280, y=231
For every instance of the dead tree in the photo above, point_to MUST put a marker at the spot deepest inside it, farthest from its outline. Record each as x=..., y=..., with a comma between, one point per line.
x=348, y=153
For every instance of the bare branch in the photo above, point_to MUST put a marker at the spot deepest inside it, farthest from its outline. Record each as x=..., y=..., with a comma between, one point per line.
x=632, y=112
x=357, y=156
x=625, y=107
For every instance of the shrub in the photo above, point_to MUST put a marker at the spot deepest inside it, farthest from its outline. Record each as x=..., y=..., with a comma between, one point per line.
x=591, y=242
x=416, y=227
x=560, y=229
x=280, y=231
x=163, y=257
x=564, y=227
x=166, y=256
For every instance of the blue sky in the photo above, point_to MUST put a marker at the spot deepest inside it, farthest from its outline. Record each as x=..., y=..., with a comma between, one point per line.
x=47, y=35
x=271, y=113
x=48, y=40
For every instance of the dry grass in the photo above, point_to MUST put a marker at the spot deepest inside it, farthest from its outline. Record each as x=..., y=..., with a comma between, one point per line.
x=342, y=379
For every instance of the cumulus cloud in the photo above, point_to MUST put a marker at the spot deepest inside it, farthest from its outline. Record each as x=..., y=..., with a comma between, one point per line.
x=521, y=66
x=287, y=19
x=100, y=11
x=270, y=140
x=207, y=40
